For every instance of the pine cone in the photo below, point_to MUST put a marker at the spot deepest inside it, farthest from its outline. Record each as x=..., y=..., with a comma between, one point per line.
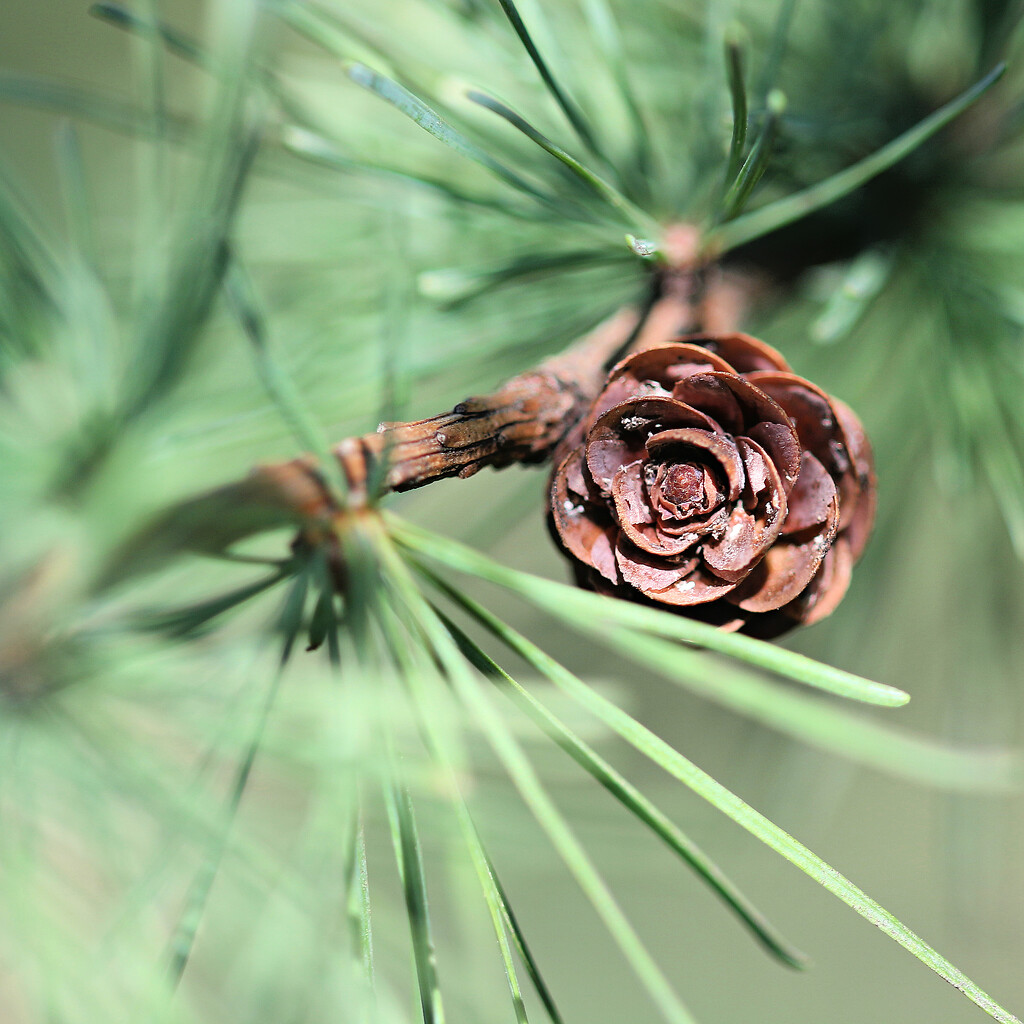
x=709, y=477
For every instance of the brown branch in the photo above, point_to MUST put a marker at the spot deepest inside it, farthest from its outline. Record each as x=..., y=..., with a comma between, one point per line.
x=528, y=419
x=535, y=416
x=522, y=421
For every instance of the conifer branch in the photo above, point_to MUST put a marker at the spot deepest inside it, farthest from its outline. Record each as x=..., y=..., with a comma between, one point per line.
x=528, y=419
x=531, y=418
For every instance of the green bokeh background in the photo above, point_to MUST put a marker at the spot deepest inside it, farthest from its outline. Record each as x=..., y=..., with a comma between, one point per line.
x=936, y=607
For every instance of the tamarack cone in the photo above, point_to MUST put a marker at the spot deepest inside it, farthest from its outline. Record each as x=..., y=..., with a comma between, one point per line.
x=709, y=478
x=700, y=474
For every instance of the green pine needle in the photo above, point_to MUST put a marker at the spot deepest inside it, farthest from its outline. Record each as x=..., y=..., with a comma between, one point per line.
x=579, y=606
x=588, y=759
x=757, y=824
x=358, y=905
x=785, y=211
x=430, y=121
x=756, y=163
x=571, y=111
x=632, y=216
x=416, y=673
x=738, y=93
x=193, y=619
x=187, y=929
x=177, y=42
x=609, y=38
x=241, y=295
x=468, y=690
x=410, y=869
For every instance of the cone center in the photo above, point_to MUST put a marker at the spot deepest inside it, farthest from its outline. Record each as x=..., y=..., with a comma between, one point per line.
x=683, y=486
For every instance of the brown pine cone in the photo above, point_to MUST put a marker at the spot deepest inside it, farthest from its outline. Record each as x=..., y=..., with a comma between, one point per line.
x=709, y=477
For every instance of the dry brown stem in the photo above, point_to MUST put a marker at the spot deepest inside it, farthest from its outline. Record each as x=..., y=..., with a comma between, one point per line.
x=525, y=420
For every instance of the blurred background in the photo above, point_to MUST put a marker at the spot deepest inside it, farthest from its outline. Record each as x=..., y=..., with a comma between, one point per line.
x=385, y=292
